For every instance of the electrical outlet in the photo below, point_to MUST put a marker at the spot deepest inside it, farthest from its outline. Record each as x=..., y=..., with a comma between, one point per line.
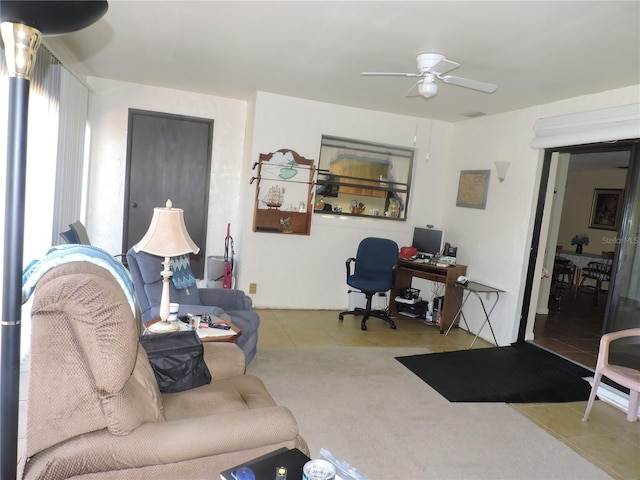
x=253, y=287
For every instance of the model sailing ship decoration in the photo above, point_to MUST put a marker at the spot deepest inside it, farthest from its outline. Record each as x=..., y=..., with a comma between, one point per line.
x=274, y=197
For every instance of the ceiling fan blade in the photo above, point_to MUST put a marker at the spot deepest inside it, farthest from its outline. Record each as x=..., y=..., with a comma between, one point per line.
x=444, y=66
x=391, y=74
x=467, y=83
x=414, y=91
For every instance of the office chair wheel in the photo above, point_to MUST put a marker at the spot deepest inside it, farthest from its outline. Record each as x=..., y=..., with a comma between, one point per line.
x=363, y=326
x=340, y=317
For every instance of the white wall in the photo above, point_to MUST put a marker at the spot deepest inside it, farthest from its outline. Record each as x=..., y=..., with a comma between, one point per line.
x=295, y=271
x=576, y=213
x=109, y=116
x=555, y=197
x=308, y=272
x=495, y=242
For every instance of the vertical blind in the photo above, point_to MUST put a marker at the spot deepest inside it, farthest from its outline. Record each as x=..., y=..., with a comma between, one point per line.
x=74, y=102
x=55, y=150
x=58, y=104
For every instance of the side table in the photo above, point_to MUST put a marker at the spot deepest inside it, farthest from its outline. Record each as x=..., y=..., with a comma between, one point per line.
x=477, y=288
x=209, y=334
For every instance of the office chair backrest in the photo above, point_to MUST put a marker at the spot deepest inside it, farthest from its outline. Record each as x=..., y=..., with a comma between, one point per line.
x=376, y=255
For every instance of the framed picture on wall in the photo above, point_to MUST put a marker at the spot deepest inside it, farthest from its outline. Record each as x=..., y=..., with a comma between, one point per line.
x=472, y=189
x=606, y=209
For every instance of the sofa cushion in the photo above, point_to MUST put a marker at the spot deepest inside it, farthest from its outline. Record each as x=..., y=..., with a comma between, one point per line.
x=137, y=402
x=91, y=341
x=150, y=267
x=186, y=296
x=244, y=392
x=80, y=232
x=70, y=236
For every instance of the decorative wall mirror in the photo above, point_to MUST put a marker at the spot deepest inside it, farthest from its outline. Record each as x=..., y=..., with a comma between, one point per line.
x=361, y=178
x=283, y=193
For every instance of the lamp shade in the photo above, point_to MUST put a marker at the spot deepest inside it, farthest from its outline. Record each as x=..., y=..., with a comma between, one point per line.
x=167, y=235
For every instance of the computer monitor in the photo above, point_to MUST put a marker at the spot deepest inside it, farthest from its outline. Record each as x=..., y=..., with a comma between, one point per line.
x=428, y=241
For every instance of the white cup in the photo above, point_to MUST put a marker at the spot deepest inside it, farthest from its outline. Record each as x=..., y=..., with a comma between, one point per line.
x=173, y=311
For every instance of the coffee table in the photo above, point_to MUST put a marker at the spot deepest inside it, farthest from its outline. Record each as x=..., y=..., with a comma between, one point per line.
x=264, y=467
x=215, y=334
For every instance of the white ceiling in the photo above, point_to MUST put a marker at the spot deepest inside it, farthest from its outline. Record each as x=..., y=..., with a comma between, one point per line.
x=536, y=52
x=600, y=160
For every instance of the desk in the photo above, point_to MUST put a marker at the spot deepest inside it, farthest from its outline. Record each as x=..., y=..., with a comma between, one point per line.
x=407, y=270
x=477, y=288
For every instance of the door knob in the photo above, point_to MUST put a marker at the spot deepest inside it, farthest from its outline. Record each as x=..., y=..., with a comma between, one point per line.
x=134, y=205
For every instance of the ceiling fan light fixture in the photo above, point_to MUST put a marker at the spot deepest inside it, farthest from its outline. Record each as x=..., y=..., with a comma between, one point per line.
x=428, y=89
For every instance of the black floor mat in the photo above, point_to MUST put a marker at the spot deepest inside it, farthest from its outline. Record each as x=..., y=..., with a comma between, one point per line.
x=519, y=373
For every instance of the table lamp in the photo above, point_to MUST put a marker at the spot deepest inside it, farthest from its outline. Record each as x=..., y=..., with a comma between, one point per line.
x=167, y=237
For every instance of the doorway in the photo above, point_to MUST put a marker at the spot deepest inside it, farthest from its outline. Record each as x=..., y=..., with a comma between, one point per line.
x=168, y=157
x=569, y=321
x=573, y=328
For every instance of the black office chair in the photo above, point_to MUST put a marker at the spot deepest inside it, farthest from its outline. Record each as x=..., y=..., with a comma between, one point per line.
x=375, y=271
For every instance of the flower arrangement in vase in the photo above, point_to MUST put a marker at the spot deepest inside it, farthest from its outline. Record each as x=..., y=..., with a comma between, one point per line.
x=579, y=241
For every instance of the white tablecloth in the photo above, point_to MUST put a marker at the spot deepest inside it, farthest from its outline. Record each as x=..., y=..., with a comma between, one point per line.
x=580, y=260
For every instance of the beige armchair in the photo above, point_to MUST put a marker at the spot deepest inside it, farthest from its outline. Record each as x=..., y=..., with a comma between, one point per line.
x=94, y=408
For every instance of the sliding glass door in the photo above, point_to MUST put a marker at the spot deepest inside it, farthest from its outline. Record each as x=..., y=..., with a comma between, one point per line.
x=623, y=308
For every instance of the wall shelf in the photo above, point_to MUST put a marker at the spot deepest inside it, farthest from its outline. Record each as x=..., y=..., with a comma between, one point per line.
x=359, y=196
x=284, y=193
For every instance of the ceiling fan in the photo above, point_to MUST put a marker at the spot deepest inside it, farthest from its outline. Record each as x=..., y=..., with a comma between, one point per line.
x=432, y=66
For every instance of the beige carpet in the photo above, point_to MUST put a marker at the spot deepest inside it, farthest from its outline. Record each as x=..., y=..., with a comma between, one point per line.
x=366, y=408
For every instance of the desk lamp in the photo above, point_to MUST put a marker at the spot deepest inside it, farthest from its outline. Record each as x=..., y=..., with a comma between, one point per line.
x=167, y=237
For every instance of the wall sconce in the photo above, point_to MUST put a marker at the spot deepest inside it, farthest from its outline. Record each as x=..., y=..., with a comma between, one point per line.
x=501, y=168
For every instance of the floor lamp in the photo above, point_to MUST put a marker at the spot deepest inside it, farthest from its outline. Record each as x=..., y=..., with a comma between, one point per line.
x=22, y=26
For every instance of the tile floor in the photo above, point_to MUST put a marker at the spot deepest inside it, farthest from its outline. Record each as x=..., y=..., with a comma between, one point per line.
x=607, y=439
x=574, y=330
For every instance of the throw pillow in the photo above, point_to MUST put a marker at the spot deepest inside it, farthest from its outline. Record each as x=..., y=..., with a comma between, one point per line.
x=182, y=275
x=70, y=236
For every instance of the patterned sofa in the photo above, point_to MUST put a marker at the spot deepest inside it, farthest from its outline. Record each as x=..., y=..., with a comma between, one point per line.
x=94, y=410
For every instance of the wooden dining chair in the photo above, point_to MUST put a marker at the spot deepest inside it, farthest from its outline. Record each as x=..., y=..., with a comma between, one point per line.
x=564, y=272
x=600, y=271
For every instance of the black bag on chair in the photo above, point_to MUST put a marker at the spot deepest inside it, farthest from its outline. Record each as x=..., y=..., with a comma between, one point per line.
x=177, y=359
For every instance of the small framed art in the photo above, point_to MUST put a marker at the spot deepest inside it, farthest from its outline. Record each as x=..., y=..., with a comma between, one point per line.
x=606, y=209
x=473, y=188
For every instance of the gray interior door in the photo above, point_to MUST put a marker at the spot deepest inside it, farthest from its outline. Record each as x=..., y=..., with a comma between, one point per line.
x=168, y=157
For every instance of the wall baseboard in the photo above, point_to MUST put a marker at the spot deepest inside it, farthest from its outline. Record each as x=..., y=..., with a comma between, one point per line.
x=611, y=395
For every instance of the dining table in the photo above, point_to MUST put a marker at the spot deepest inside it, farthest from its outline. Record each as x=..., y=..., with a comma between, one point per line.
x=580, y=260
